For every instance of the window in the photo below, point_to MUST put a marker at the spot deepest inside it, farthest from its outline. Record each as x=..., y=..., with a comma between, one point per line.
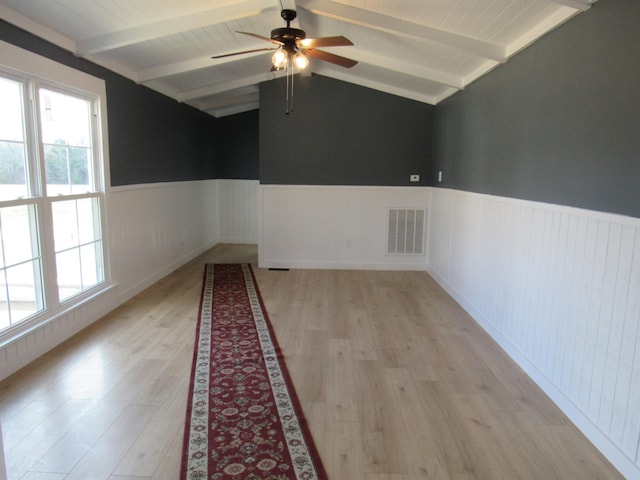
x=52, y=252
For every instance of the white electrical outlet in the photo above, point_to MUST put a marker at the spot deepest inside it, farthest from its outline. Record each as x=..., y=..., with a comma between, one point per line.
x=414, y=178
x=439, y=175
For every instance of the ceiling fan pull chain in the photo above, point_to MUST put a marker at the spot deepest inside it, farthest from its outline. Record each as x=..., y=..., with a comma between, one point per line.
x=287, y=95
x=291, y=66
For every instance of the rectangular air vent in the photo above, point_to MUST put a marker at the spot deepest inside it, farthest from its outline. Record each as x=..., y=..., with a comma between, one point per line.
x=405, y=231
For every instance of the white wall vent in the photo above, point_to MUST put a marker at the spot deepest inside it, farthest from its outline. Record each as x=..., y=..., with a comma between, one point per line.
x=405, y=231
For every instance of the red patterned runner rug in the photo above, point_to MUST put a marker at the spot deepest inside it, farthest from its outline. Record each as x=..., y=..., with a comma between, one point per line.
x=244, y=420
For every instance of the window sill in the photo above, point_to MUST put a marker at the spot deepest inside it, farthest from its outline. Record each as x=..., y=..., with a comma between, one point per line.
x=23, y=329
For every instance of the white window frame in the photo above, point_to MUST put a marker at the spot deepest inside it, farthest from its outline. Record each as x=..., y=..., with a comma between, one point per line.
x=22, y=65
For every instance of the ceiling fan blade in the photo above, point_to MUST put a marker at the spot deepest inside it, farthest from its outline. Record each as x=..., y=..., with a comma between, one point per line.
x=330, y=57
x=245, y=51
x=266, y=39
x=339, y=41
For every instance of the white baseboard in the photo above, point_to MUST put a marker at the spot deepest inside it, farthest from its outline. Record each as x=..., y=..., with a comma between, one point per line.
x=340, y=265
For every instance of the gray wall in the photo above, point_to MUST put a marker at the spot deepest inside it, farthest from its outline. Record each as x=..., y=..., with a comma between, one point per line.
x=558, y=123
x=238, y=146
x=342, y=134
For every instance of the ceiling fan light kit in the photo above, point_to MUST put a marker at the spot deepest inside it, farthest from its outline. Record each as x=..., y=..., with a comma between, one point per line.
x=279, y=59
x=293, y=49
x=300, y=61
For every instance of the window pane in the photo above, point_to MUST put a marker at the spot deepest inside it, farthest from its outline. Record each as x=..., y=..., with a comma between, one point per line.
x=78, y=246
x=65, y=225
x=75, y=222
x=13, y=183
x=23, y=287
x=11, y=120
x=79, y=169
x=90, y=258
x=56, y=161
x=20, y=293
x=69, y=278
x=66, y=136
x=19, y=234
x=88, y=220
x=5, y=320
x=21, y=290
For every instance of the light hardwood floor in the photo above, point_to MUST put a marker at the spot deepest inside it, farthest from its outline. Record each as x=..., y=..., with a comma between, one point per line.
x=396, y=381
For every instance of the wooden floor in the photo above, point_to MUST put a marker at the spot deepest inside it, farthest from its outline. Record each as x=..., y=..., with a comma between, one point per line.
x=396, y=381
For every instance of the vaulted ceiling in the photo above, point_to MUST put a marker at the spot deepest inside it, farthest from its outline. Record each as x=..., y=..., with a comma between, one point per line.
x=425, y=50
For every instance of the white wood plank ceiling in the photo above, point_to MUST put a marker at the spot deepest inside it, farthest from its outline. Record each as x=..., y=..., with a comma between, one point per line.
x=425, y=50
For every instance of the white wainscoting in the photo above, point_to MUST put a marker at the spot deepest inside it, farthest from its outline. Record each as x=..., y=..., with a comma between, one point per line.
x=237, y=211
x=152, y=230
x=559, y=289
x=333, y=226
x=155, y=228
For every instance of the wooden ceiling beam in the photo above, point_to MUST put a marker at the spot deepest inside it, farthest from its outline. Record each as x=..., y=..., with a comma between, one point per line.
x=433, y=75
x=581, y=5
x=226, y=101
x=233, y=109
x=217, y=88
x=161, y=71
x=150, y=31
x=403, y=28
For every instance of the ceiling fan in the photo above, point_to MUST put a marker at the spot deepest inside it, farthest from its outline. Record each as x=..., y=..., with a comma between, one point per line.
x=292, y=47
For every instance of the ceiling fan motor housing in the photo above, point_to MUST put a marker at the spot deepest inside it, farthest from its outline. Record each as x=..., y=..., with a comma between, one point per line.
x=287, y=35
